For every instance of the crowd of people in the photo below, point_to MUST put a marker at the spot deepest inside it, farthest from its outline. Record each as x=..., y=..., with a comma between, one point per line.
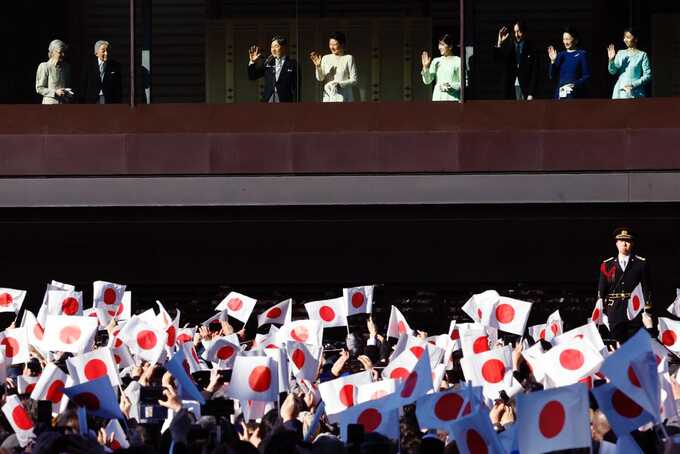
x=336, y=72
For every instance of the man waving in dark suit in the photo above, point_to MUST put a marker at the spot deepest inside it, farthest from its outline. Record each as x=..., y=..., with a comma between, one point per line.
x=281, y=81
x=520, y=63
x=103, y=82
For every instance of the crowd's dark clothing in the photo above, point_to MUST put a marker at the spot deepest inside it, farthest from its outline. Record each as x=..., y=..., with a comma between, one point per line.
x=519, y=62
x=287, y=84
x=111, y=85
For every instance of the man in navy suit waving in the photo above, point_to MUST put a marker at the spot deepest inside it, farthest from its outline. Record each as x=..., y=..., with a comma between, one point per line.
x=280, y=72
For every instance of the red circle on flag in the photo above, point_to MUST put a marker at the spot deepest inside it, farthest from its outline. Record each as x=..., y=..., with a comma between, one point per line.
x=55, y=392
x=69, y=334
x=110, y=296
x=479, y=313
x=410, y=384
x=117, y=358
x=668, y=338
x=493, y=370
x=38, y=331
x=87, y=400
x=225, y=352
x=541, y=335
x=260, y=379
x=95, y=368
x=326, y=313
x=596, y=314
x=117, y=343
x=401, y=327
x=300, y=333
x=636, y=302
x=370, y=419
x=399, y=373
x=632, y=377
x=418, y=351
x=481, y=344
x=346, y=395
x=115, y=445
x=571, y=359
x=358, y=300
x=551, y=419
x=11, y=347
x=69, y=306
x=274, y=312
x=448, y=406
x=182, y=338
x=505, y=313
x=554, y=328
x=5, y=299
x=171, y=336
x=455, y=334
x=475, y=442
x=625, y=406
x=120, y=309
x=30, y=388
x=298, y=357
x=21, y=418
x=235, y=304
x=146, y=339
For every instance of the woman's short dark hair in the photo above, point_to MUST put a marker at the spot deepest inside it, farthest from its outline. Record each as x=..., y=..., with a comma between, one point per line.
x=521, y=24
x=447, y=39
x=280, y=39
x=632, y=31
x=574, y=34
x=339, y=37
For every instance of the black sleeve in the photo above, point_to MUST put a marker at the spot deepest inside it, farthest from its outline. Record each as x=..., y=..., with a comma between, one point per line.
x=256, y=70
x=602, y=283
x=646, y=286
x=500, y=54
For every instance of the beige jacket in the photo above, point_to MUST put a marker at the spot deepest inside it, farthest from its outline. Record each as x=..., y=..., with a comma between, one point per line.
x=49, y=77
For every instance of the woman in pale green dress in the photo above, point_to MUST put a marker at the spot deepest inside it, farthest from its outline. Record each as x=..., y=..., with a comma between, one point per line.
x=632, y=66
x=444, y=71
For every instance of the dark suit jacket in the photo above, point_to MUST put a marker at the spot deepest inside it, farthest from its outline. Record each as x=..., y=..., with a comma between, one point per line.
x=288, y=85
x=614, y=280
x=527, y=72
x=111, y=86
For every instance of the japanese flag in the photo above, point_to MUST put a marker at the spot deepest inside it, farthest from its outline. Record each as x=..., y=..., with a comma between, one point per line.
x=15, y=342
x=278, y=355
x=623, y=414
x=107, y=295
x=187, y=388
x=537, y=332
x=340, y=393
x=532, y=356
x=74, y=334
x=597, y=316
x=238, y=306
x=34, y=331
x=11, y=300
x=375, y=390
x=397, y=324
x=407, y=342
x=636, y=302
x=492, y=370
x=509, y=315
x=26, y=383
x=454, y=335
x=669, y=334
x=64, y=302
x=171, y=331
x=144, y=339
x=359, y=300
x=417, y=383
x=474, y=340
x=271, y=340
x=379, y=416
x=554, y=420
x=571, y=361
x=587, y=332
x=436, y=411
x=305, y=331
x=554, y=326
x=474, y=307
x=191, y=359
x=97, y=396
x=254, y=378
x=674, y=308
x=474, y=434
x=120, y=441
x=279, y=314
x=222, y=352
x=330, y=313
x=401, y=366
x=185, y=335
x=50, y=386
x=304, y=360
x=19, y=419
x=92, y=365
x=254, y=410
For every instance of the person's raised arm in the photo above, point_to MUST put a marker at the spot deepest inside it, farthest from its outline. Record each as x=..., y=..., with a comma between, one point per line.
x=613, y=65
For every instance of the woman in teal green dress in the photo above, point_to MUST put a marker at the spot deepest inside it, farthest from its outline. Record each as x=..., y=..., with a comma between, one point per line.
x=444, y=71
x=632, y=66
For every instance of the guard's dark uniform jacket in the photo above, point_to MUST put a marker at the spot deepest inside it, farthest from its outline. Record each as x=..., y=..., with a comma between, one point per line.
x=616, y=285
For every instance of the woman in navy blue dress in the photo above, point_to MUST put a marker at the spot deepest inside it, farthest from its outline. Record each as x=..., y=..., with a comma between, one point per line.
x=570, y=68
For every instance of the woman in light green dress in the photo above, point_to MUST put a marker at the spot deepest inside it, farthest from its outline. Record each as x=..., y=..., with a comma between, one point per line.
x=632, y=66
x=444, y=71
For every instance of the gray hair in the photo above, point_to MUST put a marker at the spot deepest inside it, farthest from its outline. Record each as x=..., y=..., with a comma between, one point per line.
x=99, y=44
x=55, y=45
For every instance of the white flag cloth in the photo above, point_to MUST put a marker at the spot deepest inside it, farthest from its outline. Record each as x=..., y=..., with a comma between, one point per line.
x=359, y=300
x=187, y=388
x=305, y=331
x=474, y=340
x=108, y=296
x=474, y=307
x=636, y=302
x=597, y=316
x=26, y=384
x=375, y=390
x=408, y=342
x=493, y=371
x=255, y=409
x=92, y=365
x=15, y=342
x=669, y=334
x=537, y=332
x=533, y=356
x=64, y=302
x=11, y=300
x=509, y=315
x=19, y=419
x=397, y=324
x=417, y=383
x=674, y=308
x=330, y=313
x=191, y=358
x=238, y=306
x=171, y=331
x=50, y=386
x=120, y=441
x=222, y=352
x=74, y=334
x=474, y=434
x=185, y=335
x=401, y=366
x=97, y=396
x=436, y=411
x=124, y=311
x=34, y=331
x=304, y=359
x=454, y=335
x=623, y=414
x=144, y=339
x=571, y=361
x=279, y=314
x=669, y=408
x=340, y=393
x=378, y=416
x=554, y=419
x=554, y=326
x=278, y=355
x=587, y=332
x=254, y=378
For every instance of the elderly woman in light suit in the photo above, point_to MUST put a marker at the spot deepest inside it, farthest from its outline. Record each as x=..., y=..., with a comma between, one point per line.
x=53, y=78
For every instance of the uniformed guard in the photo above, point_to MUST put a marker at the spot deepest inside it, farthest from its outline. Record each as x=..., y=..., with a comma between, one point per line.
x=619, y=275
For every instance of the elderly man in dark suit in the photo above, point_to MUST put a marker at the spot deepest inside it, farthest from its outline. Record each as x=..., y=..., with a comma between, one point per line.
x=280, y=72
x=103, y=82
x=520, y=63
